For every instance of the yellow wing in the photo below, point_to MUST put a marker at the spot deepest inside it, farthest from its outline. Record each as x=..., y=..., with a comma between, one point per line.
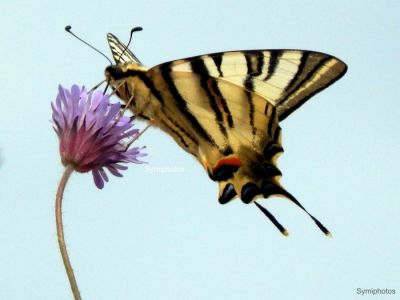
x=285, y=78
x=224, y=108
x=232, y=103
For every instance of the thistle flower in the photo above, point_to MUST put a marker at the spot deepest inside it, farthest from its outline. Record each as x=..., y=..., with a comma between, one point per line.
x=92, y=133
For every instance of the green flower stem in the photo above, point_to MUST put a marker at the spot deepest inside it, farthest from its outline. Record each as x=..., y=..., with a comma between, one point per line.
x=60, y=232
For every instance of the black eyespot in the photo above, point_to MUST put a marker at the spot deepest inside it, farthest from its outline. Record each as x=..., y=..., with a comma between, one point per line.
x=228, y=194
x=249, y=191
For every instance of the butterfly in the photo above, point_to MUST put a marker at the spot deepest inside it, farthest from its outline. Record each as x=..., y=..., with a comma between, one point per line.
x=225, y=109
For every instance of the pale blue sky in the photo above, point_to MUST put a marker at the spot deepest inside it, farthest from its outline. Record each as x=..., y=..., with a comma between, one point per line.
x=164, y=235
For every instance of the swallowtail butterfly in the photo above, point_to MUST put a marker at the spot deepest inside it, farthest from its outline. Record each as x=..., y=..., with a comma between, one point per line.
x=225, y=109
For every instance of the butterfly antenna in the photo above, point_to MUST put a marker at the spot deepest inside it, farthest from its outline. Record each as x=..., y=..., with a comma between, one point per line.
x=68, y=29
x=134, y=29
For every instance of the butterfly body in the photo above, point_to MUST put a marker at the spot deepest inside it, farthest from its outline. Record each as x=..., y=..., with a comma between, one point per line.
x=225, y=108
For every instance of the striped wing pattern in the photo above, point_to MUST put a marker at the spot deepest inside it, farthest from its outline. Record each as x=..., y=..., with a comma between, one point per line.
x=225, y=108
x=285, y=78
x=121, y=53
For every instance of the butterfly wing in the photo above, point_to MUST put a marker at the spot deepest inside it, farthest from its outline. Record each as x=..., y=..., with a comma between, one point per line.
x=236, y=131
x=285, y=78
x=121, y=52
x=232, y=103
x=225, y=108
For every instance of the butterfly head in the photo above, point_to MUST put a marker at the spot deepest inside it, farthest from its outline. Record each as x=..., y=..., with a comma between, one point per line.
x=116, y=77
x=113, y=73
x=122, y=78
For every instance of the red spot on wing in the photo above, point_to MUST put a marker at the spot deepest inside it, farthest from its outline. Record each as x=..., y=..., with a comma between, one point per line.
x=227, y=161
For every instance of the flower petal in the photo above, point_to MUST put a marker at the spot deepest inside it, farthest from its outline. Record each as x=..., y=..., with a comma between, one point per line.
x=98, y=180
x=92, y=133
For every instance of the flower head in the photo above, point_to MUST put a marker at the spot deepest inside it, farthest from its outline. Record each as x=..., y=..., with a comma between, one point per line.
x=92, y=133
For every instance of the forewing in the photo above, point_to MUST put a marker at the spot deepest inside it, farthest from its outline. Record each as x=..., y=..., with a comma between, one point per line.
x=284, y=78
x=120, y=52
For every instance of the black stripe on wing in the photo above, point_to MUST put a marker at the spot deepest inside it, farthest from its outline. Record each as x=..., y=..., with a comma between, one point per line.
x=181, y=104
x=254, y=62
x=198, y=67
x=273, y=62
x=221, y=99
x=176, y=133
x=285, y=78
x=142, y=75
x=286, y=105
x=118, y=48
x=218, y=61
x=292, y=86
x=249, y=89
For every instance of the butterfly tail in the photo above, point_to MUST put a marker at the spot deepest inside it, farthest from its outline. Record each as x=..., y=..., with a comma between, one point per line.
x=257, y=178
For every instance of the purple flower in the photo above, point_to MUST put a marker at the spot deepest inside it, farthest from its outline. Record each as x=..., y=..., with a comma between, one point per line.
x=93, y=133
